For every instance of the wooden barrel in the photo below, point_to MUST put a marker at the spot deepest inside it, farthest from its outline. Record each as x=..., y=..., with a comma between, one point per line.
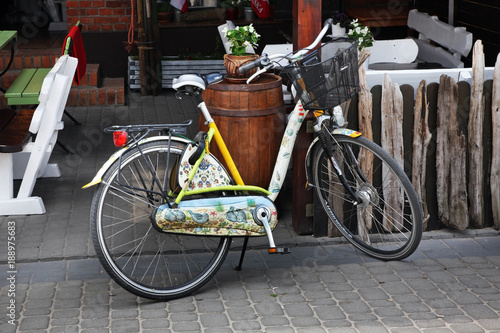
x=251, y=120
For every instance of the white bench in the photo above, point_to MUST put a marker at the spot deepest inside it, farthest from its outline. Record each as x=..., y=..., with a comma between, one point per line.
x=453, y=43
x=32, y=161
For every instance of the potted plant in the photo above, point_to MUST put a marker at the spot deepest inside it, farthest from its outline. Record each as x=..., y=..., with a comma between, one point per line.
x=364, y=38
x=361, y=34
x=340, y=23
x=231, y=8
x=243, y=40
x=248, y=13
x=164, y=11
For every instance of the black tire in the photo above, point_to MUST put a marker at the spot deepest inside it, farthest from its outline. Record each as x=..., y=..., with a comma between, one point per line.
x=144, y=261
x=391, y=211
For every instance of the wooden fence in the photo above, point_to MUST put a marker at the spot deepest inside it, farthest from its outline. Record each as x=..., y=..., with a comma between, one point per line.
x=450, y=136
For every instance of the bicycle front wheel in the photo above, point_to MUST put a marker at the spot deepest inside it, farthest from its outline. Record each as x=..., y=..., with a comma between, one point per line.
x=144, y=261
x=388, y=224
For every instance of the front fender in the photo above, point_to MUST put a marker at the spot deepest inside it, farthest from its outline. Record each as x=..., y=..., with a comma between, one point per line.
x=315, y=143
x=98, y=177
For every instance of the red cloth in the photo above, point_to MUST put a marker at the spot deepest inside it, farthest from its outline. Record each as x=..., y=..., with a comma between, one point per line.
x=78, y=51
x=261, y=8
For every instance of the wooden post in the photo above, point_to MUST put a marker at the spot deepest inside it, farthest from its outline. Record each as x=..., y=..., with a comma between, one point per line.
x=421, y=140
x=392, y=142
x=306, y=26
x=495, y=159
x=450, y=158
x=476, y=122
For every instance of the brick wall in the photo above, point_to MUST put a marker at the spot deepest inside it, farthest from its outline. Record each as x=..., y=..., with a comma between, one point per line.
x=99, y=15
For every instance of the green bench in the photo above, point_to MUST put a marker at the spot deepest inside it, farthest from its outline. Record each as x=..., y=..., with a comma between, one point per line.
x=26, y=87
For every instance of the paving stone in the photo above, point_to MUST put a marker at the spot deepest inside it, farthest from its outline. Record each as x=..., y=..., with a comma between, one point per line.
x=161, y=323
x=304, y=322
x=214, y=320
x=466, y=328
x=297, y=310
x=186, y=327
x=269, y=322
x=66, y=329
x=247, y=325
x=480, y=311
x=34, y=323
x=268, y=309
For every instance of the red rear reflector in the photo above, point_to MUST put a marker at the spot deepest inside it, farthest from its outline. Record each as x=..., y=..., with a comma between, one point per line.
x=120, y=138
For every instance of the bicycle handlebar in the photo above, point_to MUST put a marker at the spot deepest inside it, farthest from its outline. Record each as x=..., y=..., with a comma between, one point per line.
x=265, y=60
x=261, y=61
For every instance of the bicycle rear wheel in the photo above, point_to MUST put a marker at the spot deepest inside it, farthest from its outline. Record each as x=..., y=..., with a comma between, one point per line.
x=388, y=224
x=144, y=261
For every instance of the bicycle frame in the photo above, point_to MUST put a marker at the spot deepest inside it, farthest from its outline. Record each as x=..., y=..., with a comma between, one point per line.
x=285, y=152
x=296, y=120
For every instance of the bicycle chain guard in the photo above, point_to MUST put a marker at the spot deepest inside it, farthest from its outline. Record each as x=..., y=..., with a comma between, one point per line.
x=222, y=216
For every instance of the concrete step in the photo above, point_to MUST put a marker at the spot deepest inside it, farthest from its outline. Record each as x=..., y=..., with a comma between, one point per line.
x=110, y=92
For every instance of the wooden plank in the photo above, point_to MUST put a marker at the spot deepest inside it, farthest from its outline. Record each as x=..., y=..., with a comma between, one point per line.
x=495, y=158
x=451, y=159
x=365, y=160
x=392, y=142
x=35, y=84
x=421, y=139
x=475, y=139
x=17, y=88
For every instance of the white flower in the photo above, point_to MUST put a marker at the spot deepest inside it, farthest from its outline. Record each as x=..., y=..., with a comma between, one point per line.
x=358, y=30
x=360, y=40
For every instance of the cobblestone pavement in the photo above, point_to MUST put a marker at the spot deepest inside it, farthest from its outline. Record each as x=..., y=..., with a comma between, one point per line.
x=450, y=284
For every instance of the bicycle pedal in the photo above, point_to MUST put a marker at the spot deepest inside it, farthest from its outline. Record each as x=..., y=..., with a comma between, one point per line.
x=279, y=250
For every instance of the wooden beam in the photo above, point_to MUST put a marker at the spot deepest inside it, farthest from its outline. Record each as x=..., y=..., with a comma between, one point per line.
x=306, y=26
x=306, y=22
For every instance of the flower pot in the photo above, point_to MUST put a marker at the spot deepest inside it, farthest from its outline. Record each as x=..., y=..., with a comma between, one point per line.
x=231, y=14
x=165, y=16
x=248, y=13
x=233, y=62
x=338, y=31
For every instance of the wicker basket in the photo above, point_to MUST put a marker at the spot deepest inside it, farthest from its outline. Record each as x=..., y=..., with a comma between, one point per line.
x=326, y=84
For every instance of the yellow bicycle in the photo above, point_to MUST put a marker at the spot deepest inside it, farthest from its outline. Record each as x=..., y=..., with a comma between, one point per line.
x=165, y=210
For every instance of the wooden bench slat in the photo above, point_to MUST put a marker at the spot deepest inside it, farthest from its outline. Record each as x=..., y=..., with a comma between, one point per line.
x=15, y=133
x=35, y=84
x=17, y=88
x=26, y=87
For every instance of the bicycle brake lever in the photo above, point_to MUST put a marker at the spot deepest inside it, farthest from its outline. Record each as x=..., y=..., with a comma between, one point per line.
x=254, y=76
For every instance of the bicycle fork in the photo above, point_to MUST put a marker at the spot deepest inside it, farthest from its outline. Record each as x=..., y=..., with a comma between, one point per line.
x=328, y=147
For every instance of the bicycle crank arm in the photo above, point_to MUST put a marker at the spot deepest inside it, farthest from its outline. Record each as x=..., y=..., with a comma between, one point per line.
x=261, y=216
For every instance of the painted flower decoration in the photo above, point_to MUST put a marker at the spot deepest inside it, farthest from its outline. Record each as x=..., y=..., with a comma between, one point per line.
x=361, y=34
x=241, y=38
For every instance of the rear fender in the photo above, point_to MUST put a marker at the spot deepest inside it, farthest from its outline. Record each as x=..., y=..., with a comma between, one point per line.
x=316, y=143
x=98, y=177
